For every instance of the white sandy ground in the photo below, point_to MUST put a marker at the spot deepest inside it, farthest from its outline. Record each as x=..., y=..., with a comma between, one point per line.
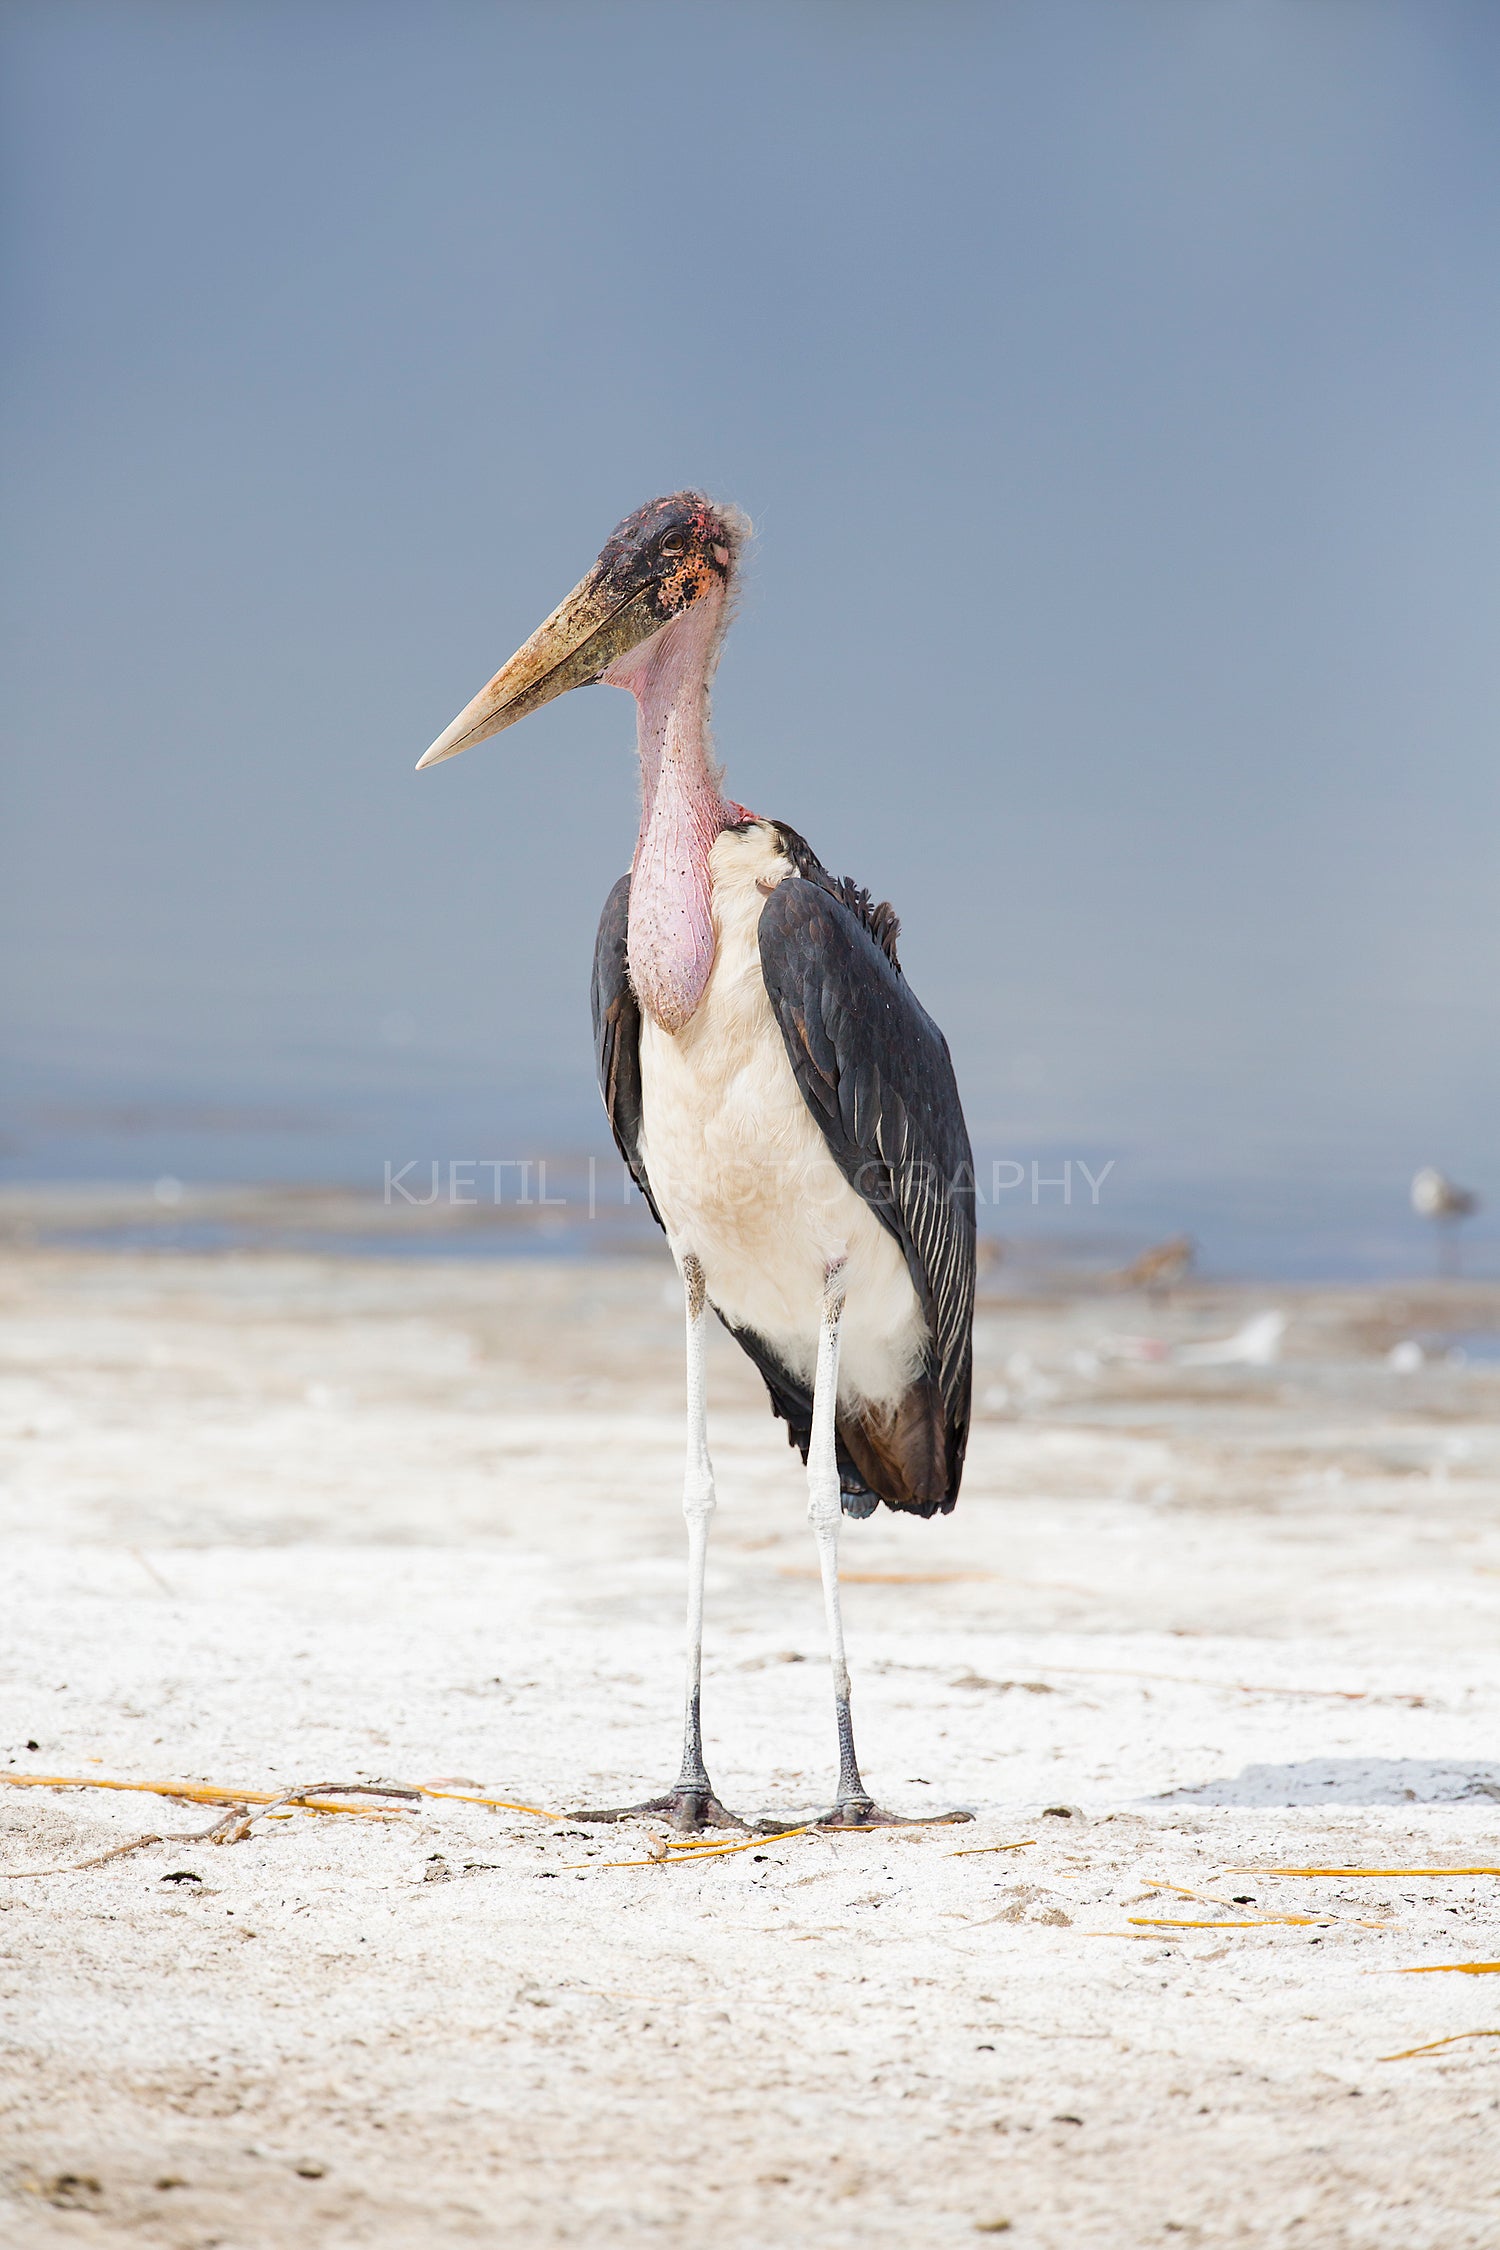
x=275, y=1519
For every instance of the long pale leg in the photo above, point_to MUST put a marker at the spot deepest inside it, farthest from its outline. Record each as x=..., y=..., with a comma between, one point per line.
x=825, y=1513
x=690, y=1803
x=853, y=1807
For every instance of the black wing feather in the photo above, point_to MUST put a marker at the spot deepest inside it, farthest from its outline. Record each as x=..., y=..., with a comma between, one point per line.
x=617, y=1037
x=875, y=1071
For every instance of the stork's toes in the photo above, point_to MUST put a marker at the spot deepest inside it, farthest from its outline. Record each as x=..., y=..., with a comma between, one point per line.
x=861, y=1812
x=690, y=1807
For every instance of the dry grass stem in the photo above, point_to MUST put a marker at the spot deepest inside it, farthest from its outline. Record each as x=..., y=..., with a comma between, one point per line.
x=240, y=1819
x=1453, y=1968
x=200, y=1792
x=79, y=1867
x=675, y=1854
x=1205, y=1898
x=496, y=1804
x=1260, y=1922
x=242, y=1808
x=1384, y=1873
x=1431, y=2046
x=1180, y=1890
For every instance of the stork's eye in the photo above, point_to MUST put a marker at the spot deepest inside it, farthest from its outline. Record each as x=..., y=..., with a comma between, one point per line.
x=673, y=544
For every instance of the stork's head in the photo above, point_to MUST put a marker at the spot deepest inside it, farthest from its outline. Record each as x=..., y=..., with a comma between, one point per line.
x=671, y=557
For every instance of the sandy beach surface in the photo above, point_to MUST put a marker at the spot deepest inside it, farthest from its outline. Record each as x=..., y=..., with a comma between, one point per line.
x=273, y=1519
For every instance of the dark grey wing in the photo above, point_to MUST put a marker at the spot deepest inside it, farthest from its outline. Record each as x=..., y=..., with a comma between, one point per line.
x=617, y=1036
x=875, y=1071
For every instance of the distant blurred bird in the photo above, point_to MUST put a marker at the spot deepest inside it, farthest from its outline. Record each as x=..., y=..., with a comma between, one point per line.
x=1434, y=1196
x=1160, y=1268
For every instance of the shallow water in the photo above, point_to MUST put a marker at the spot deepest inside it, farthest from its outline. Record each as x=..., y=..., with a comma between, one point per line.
x=471, y=1172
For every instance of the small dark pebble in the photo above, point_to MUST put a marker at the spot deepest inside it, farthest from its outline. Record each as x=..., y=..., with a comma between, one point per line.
x=182, y=1875
x=309, y=2169
x=33, y=1745
x=73, y=2191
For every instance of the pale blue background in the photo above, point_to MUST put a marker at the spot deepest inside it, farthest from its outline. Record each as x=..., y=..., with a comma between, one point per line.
x=1114, y=385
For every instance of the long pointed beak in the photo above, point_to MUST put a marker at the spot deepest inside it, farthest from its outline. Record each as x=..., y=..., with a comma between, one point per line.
x=579, y=641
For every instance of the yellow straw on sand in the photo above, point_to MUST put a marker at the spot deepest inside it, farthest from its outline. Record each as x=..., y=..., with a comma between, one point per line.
x=676, y=1854
x=500, y=1804
x=1453, y=1968
x=191, y=1792
x=1431, y=2046
x=210, y=1793
x=1261, y=1922
x=1244, y=1868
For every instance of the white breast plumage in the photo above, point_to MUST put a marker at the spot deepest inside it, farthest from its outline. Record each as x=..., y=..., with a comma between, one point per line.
x=741, y=1173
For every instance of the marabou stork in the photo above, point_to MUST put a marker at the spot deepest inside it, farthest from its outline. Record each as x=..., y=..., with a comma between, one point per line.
x=786, y=1106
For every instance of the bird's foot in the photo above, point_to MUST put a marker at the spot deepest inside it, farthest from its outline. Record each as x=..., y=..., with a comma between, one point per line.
x=863, y=1812
x=688, y=1806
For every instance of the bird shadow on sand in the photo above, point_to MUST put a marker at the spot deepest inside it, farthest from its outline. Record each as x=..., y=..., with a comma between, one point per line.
x=1346, y=1781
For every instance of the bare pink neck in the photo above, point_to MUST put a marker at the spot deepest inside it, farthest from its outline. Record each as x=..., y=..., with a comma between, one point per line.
x=683, y=808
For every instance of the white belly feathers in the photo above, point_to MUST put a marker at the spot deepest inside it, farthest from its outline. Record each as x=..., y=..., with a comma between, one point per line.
x=741, y=1174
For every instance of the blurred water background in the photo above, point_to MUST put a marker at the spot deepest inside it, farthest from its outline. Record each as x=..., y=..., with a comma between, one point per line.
x=463, y=1172
x=1113, y=384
